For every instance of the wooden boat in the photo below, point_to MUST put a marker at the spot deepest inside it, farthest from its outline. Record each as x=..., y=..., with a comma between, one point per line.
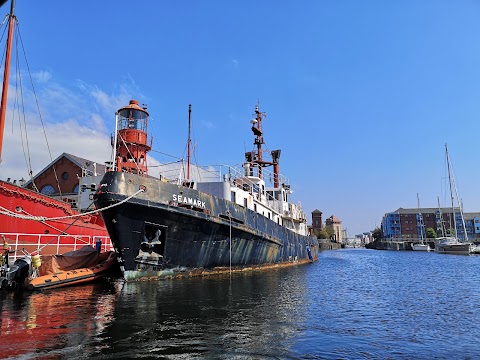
x=76, y=267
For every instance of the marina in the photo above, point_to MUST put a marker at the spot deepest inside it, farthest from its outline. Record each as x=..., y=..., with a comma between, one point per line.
x=114, y=248
x=351, y=304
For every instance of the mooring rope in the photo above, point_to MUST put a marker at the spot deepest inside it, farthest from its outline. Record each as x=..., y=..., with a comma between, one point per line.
x=7, y=212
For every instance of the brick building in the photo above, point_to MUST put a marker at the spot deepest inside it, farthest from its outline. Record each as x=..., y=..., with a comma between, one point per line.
x=67, y=169
x=405, y=224
x=336, y=224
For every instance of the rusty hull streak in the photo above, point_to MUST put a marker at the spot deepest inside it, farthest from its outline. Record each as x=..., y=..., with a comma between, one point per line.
x=222, y=271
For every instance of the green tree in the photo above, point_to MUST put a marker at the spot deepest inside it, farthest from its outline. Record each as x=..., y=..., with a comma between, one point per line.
x=377, y=234
x=323, y=234
x=329, y=231
x=450, y=232
x=431, y=233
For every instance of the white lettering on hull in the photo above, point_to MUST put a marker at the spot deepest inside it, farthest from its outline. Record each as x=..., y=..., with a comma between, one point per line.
x=189, y=201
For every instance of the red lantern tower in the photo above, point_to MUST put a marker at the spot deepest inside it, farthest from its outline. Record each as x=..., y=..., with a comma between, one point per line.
x=131, y=139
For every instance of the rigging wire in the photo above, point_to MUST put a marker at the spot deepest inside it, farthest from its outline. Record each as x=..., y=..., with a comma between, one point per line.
x=16, y=110
x=38, y=109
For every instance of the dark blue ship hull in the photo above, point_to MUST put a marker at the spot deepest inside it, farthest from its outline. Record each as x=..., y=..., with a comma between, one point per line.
x=168, y=230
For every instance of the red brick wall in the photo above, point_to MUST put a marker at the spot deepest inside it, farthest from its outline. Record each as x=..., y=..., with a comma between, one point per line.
x=64, y=168
x=317, y=224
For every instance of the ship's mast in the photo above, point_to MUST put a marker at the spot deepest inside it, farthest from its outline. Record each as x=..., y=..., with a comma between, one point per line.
x=189, y=141
x=256, y=159
x=6, y=72
x=259, y=138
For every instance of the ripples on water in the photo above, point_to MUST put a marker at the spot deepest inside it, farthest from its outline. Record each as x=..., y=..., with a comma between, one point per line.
x=351, y=304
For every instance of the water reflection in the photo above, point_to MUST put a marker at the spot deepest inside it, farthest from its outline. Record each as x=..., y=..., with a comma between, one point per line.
x=47, y=324
x=252, y=313
x=352, y=304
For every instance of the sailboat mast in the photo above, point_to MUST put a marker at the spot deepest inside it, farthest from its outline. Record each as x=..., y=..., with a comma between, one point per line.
x=442, y=223
x=420, y=219
x=451, y=192
x=460, y=208
x=189, y=141
x=6, y=74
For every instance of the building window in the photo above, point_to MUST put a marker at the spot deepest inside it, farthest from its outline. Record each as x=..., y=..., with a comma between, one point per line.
x=64, y=175
x=48, y=190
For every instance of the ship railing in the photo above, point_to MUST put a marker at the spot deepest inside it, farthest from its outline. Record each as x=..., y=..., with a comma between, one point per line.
x=20, y=244
x=230, y=173
x=175, y=172
x=275, y=205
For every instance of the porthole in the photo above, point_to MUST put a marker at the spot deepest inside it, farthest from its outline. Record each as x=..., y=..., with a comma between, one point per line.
x=64, y=175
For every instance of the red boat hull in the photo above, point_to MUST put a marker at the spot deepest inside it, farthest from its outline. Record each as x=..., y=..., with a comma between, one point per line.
x=68, y=232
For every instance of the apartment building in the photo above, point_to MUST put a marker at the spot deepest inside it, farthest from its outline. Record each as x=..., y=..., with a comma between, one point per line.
x=406, y=224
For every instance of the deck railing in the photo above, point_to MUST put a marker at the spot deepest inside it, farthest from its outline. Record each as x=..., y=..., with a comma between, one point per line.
x=52, y=244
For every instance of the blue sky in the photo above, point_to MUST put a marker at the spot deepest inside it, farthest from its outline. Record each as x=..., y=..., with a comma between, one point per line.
x=361, y=96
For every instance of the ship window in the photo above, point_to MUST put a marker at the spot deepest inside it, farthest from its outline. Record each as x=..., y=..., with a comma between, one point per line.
x=75, y=189
x=232, y=196
x=48, y=190
x=64, y=175
x=245, y=202
x=255, y=207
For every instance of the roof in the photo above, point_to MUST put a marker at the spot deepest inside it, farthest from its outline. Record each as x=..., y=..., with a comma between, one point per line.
x=316, y=211
x=85, y=164
x=334, y=219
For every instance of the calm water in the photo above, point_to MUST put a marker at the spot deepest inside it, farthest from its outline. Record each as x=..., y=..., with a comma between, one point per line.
x=351, y=304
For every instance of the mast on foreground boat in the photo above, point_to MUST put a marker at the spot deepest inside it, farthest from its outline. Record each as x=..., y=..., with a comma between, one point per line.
x=6, y=72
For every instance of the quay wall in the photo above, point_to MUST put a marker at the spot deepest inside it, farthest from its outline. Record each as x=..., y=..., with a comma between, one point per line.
x=394, y=245
x=328, y=245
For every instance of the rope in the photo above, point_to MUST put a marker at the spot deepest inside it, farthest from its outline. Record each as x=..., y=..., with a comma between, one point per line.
x=7, y=212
